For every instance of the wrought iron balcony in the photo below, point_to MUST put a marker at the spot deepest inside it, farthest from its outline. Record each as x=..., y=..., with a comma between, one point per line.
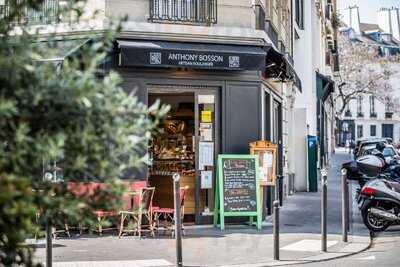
x=360, y=114
x=373, y=115
x=184, y=11
x=347, y=113
x=388, y=115
x=47, y=13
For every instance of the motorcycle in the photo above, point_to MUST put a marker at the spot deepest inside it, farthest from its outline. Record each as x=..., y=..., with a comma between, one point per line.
x=379, y=194
x=369, y=167
x=381, y=203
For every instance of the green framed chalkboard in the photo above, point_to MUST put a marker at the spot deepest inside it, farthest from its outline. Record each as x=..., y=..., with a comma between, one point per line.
x=237, y=189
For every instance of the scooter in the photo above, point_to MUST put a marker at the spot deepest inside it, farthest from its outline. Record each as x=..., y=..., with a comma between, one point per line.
x=380, y=206
x=369, y=167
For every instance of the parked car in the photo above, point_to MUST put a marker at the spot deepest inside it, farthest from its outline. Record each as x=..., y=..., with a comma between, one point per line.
x=365, y=142
x=389, y=152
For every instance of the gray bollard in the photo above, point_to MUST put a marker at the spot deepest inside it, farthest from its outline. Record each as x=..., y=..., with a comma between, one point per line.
x=276, y=229
x=177, y=217
x=345, y=206
x=49, y=244
x=324, y=207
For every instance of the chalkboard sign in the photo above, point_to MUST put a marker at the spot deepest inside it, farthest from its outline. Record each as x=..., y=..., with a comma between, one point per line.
x=239, y=182
x=237, y=191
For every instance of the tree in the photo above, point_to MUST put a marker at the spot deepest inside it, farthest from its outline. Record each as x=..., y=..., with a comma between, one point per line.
x=364, y=71
x=72, y=114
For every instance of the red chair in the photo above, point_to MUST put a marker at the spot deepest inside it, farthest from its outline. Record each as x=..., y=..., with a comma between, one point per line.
x=139, y=212
x=104, y=214
x=168, y=214
x=81, y=189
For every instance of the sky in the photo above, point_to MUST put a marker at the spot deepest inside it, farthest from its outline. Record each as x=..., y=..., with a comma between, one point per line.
x=368, y=8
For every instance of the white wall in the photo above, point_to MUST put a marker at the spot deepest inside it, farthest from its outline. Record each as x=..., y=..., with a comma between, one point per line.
x=305, y=101
x=300, y=121
x=303, y=58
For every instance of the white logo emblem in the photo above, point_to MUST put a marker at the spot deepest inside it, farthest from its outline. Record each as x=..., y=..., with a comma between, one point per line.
x=234, y=62
x=155, y=58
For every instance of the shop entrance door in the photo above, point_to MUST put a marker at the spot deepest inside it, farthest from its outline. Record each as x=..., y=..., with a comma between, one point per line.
x=200, y=139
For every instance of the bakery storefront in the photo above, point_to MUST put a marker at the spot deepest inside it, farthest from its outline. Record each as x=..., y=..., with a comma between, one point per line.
x=214, y=92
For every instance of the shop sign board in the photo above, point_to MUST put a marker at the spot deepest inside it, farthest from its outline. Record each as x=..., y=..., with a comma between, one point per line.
x=191, y=55
x=195, y=59
x=237, y=188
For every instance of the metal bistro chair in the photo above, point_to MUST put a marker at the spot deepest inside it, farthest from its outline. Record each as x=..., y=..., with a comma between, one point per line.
x=140, y=209
x=168, y=214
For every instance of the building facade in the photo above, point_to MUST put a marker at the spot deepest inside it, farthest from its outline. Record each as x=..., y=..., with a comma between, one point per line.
x=368, y=115
x=197, y=54
x=228, y=81
x=315, y=58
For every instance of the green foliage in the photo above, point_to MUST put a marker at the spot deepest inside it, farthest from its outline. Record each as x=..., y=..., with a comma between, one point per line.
x=71, y=113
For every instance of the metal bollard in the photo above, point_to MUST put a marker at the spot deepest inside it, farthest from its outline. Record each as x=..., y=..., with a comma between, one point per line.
x=49, y=244
x=278, y=189
x=177, y=217
x=276, y=229
x=324, y=207
x=345, y=206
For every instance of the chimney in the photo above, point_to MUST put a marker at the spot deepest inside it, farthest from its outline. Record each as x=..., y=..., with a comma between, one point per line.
x=351, y=17
x=395, y=19
x=389, y=21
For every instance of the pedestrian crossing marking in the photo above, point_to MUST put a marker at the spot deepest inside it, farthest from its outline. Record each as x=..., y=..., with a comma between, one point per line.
x=308, y=245
x=135, y=263
x=368, y=258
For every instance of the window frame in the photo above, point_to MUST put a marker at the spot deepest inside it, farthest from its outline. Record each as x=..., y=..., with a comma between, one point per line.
x=299, y=13
x=372, y=130
x=360, y=131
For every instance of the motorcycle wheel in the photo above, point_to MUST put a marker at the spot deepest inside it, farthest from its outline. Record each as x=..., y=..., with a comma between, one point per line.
x=373, y=223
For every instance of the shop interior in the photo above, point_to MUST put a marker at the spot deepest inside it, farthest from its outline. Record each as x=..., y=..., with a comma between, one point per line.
x=173, y=149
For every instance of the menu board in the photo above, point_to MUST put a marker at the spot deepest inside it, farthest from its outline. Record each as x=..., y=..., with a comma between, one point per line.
x=239, y=184
x=237, y=188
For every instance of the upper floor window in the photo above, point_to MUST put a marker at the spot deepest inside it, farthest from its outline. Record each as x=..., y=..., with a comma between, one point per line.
x=359, y=106
x=372, y=106
x=360, y=133
x=372, y=130
x=184, y=11
x=299, y=15
x=260, y=17
x=48, y=12
x=347, y=110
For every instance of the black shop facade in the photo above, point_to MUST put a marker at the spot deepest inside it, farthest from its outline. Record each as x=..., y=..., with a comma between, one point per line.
x=214, y=94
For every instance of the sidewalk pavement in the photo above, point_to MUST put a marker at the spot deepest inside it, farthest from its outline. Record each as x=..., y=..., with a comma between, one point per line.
x=238, y=245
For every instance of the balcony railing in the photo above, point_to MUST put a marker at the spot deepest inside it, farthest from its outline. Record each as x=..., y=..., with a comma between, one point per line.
x=373, y=115
x=388, y=115
x=360, y=114
x=184, y=11
x=347, y=113
x=47, y=13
